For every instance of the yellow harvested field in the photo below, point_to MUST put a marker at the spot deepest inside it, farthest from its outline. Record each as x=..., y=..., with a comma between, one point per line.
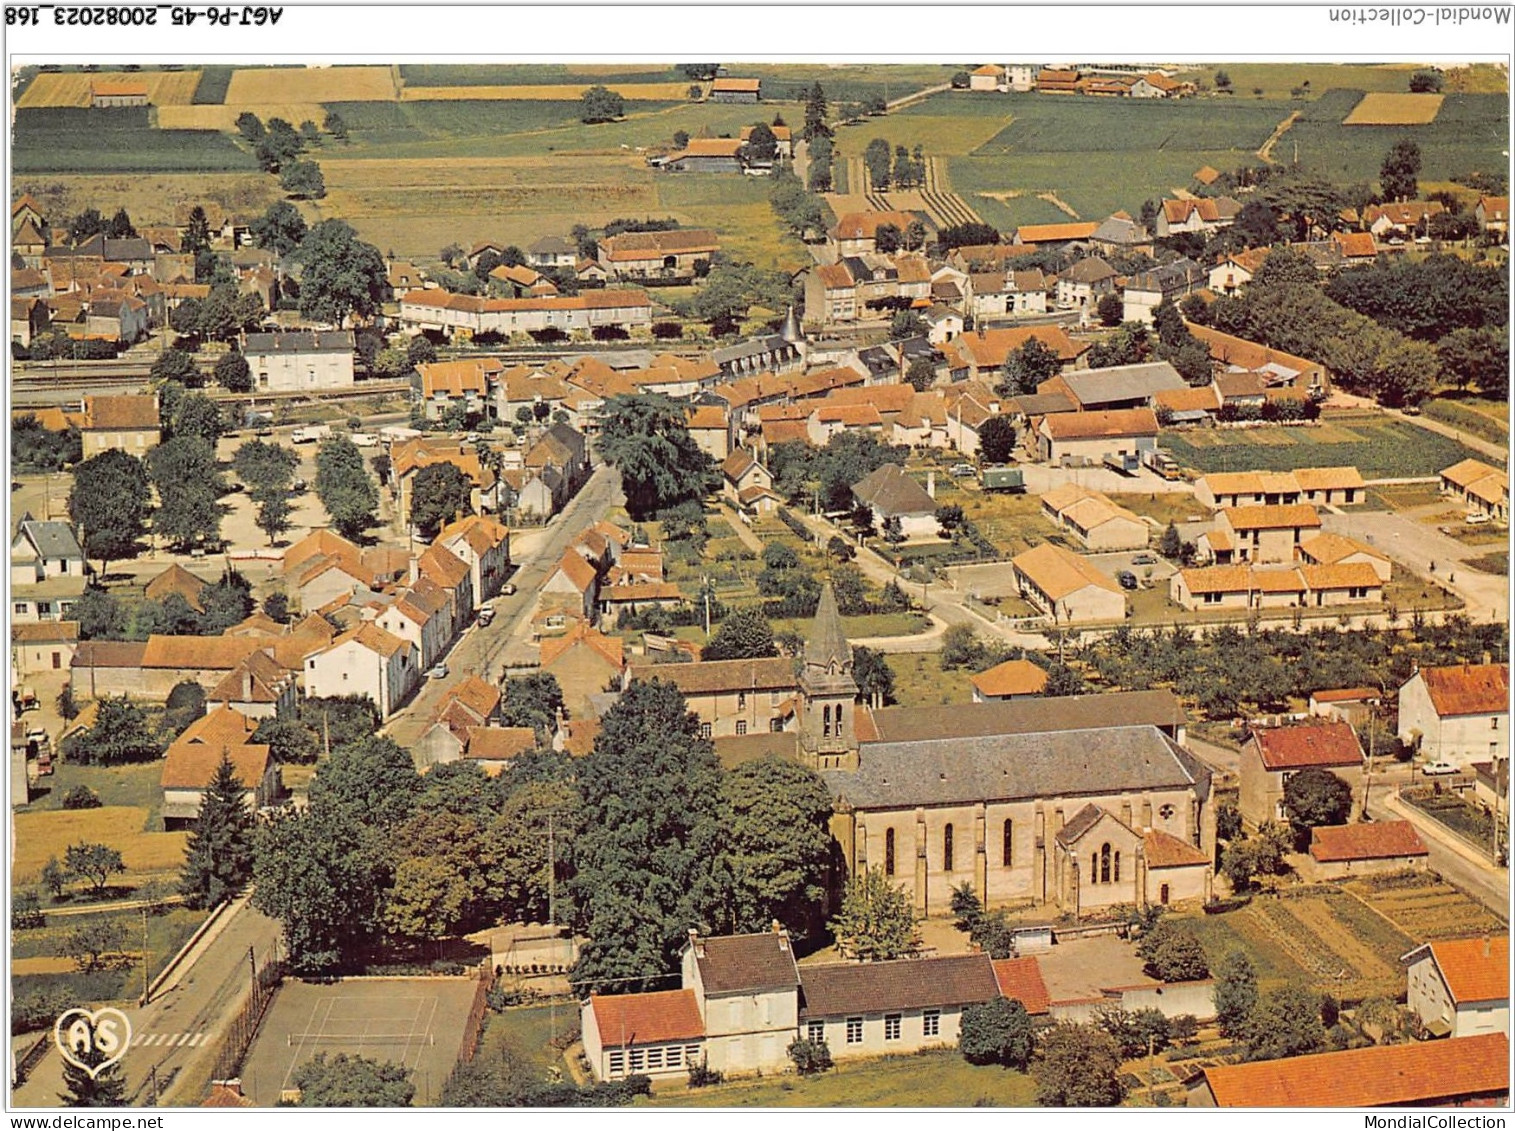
x=42, y=964
x=270, y=86
x=1382, y=109
x=559, y=92
x=225, y=117
x=164, y=88
x=39, y=836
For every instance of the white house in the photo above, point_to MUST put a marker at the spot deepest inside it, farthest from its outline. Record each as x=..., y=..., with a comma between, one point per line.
x=288, y=362
x=890, y=493
x=1460, y=987
x=365, y=660
x=1457, y=714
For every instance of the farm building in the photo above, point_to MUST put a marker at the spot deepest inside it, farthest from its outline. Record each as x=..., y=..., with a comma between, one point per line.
x=657, y=255
x=735, y=90
x=1355, y=850
x=463, y=316
x=113, y=93
x=1115, y=387
x=706, y=155
x=1080, y=436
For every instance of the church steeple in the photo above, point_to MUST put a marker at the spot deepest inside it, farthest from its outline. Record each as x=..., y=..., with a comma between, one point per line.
x=828, y=690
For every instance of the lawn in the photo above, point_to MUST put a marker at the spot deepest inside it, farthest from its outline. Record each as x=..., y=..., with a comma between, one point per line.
x=1379, y=447
x=860, y=627
x=1497, y=562
x=1405, y=497
x=1162, y=506
x=1278, y=79
x=39, y=836
x=919, y=680
x=940, y=1078
x=114, y=785
x=1467, y=135
x=70, y=140
x=1488, y=420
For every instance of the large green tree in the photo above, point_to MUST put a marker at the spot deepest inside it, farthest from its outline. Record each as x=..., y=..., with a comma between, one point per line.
x=1315, y=796
x=779, y=846
x=106, y=1088
x=1173, y=953
x=1079, y=1067
x=996, y=1032
x=876, y=922
x=996, y=440
x=352, y=1081
x=1401, y=166
x=601, y=104
x=109, y=501
x=218, y=857
x=189, y=486
x=121, y=735
x=534, y=840
x=1028, y=367
x=532, y=700
x=373, y=780
x=440, y=494
x=1235, y=993
x=345, y=488
x=646, y=436
x=1284, y=1022
x=280, y=229
x=341, y=276
x=745, y=634
x=648, y=858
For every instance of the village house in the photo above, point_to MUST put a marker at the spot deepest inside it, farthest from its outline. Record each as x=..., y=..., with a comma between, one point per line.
x=1013, y=679
x=1273, y=755
x=1118, y=234
x=1085, y=283
x=1355, y=705
x=1084, y=437
x=1065, y=586
x=891, y=494
x=366, y=661
x=408, y=458
x=710, y=429
x=1483, y=489
x=1463, y=1072
x=1401, y=220
x=1147, y=290
x=451, y=385
x=1234, y=272
x=30, y=318
x=732, y=697
x=657, y=255
x=323, y=566
x=259, y=687
x=194, y=757
x=989, y=77
x=1460, y=987
x=1094, y=519
x=1278, y=369
x=1493, y=215
x=291, y=361
x=1458, y=714
x=42, y=550
x=1244, y=586
x=584, y=661
x=981, y=354
x=43, y=646
x=1338, y=549
x=549, y=253
x=463, y=316
x=1258, y=533
x=1343, y=851
x=421, y=615
x=180, y=582
x=767, y=353
x=127, y=422
x=1203, y=215
x=483, y=545
x=401, y=276
x=830, y=294
x=856, y=232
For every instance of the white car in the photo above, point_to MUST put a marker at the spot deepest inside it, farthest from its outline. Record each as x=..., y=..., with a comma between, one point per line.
x=1476, y=518
x=438, y=672
x=365, y=439
x=1437, y=769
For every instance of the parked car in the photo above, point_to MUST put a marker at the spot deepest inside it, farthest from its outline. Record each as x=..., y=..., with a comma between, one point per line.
x=1143, y=559
x=962, y=469
x=509, y=589
x=486, y=617
x=1476, y=518
x=437, y=672
x=298, y=485
x=1437, y=769
x=266, y=430
x=1126, y=578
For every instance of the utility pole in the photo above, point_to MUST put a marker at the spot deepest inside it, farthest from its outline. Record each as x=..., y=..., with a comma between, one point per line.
x=552, y=872
x=145, y=961
x=1150, y=1070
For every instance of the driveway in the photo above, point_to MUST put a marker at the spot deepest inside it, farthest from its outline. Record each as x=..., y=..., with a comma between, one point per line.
x=1417, y=546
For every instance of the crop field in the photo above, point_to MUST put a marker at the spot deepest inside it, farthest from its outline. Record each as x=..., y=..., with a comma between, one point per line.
x=1381, y=109
x=224, y=118
x=946, y=125
x=69, y=140
x=1379, y=448
x=1092, y=125
x=1426, y=908
x=211, y=90
x=1277, y=80
x=1468, y=135
x=547, y=92
x=42, y=835
x=150, y=198
x=1331, y=941
x=260, y=86
x=844, y=82
x=508, y=74
x=164, y=88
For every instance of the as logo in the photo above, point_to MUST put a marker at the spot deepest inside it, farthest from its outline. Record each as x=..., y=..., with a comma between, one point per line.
x=92, y=1041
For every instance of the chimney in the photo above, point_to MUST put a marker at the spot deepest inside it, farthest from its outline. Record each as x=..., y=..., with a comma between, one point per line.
x=1487, y=945
x=777, y=927
x=1488, y=658
x=931, y=482
x=695, y=944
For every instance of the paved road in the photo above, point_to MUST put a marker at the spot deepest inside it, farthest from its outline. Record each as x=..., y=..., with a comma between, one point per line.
x=484, y=651
x=177, y=1035
x=1417, y=545
x=1456, y=861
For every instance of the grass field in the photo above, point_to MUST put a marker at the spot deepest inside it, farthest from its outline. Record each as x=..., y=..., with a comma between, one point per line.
x=1279, y=79
x=919, y=680
x=211, y=90
x=1379, y=108
x=547, y=92
x=150, y=197
x=566, y=74
x=42, y=835
x=1488, y=420
x=929, y=1079
x=69, y=140
x=1379, y=447
x=1468, y=134
x=115, y=785
x=164, y=88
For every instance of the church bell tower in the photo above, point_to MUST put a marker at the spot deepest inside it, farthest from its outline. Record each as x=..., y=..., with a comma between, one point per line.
x=828, y=691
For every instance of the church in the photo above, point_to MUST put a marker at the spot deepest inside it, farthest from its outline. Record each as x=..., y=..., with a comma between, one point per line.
x=1077, y=803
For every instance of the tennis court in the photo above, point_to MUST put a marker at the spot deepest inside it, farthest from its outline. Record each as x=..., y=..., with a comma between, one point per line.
x=415, y=1022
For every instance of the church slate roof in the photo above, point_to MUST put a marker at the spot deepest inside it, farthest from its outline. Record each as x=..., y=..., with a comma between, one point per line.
x=1007, y=767
x=827, y=641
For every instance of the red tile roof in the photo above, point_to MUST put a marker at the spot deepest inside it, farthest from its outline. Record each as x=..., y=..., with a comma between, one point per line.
x=1094, y=425
x=1013, y=677
x=646, y=1019
x=1379, y=840
x=1468, y=689
x=1021, y=979
x=1415, y=1073
x=1313, y=744
x=1163, y=850
x=1475, y=969
x=121, y=413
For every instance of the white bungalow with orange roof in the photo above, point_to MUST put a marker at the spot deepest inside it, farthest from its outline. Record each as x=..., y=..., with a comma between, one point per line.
x=1259, y=534
x=366, y=661
x=1013, y=679
x=1484, y=489
x=1094, y=518
x=1460, y=987
x=1337, y=549
x=1066, y=586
